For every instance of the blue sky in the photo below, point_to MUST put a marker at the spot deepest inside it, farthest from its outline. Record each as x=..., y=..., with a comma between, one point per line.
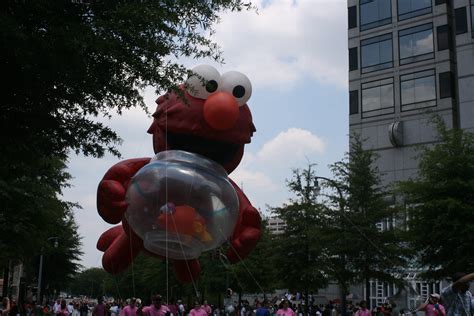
x=295, y=54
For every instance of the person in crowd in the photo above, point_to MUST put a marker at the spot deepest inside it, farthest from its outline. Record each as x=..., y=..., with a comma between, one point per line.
x=456, y=297
x=207, y=307
x=99, y=309
x=362, y=311
x=56, y=306
x=70, y=308
x=263, y=309
x=63, y=311
x=76, y=310
x=216, y=311
x=181, y=308
x=14, y=310
x=242, y=309
x=432, y=307
x=84, y=309
x=197, y=310
x=230, y=309
x=5, y=308
x=173, y=307
x=131, y=308
x=114, y=309
x=157, y=308
x=284, y=309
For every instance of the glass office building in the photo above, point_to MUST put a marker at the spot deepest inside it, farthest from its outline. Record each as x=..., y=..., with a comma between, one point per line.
x=408, y=58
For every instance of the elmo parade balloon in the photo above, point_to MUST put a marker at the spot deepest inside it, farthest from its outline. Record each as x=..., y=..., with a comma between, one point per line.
x=181, y=202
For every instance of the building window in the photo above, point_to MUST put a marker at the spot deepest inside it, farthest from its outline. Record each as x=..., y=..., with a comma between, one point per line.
x=440, y=2
x=418, y=90
x=416, y=44
x=353, y=64
x=410, y=8
x=472, y=19
x=377, y=97
x=375, y=13
x=443, y=37
x=460, y=16
x=376, y=53
x=352, y=15
x=446, y=85
x=354, y=102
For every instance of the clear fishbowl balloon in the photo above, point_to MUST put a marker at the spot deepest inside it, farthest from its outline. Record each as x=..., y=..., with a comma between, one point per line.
x=181, y=204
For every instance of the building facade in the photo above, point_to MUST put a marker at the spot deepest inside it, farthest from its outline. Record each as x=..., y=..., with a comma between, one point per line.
x=408, y=60
x=276, y=225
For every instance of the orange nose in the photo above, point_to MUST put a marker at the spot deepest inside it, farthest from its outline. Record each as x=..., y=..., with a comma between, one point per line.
x=221, y=110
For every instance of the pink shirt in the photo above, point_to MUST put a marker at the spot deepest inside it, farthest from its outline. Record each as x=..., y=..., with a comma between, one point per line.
x=363, y=312
x=285, y=312
x=430, y=310
x=197, y=312
x=208, y=309
x=129, y=311
x=153, y=311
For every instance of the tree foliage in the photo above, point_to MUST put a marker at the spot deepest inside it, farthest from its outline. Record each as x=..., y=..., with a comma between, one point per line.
x=68, y=62
x=369, y=220
x=256, y=273
x=300, y=251
x=440, y=204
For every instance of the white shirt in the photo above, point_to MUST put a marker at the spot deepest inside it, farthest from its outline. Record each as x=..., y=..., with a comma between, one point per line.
x=56, y=307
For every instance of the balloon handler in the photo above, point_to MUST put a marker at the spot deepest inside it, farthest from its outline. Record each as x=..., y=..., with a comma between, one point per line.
x=181, y=202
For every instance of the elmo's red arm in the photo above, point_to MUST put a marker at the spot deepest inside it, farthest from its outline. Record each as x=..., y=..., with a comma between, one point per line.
x=248, y=229
x=112, y=188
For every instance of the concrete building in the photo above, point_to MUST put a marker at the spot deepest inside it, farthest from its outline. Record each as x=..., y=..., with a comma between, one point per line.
x=276, y=225
x=408, y=59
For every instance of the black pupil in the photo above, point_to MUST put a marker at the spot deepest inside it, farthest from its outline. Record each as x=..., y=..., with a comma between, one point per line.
x=238, y=91
x=211, y=86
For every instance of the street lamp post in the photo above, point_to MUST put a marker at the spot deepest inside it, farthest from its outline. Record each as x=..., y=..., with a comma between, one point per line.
x=317, y=190
x=40, y=272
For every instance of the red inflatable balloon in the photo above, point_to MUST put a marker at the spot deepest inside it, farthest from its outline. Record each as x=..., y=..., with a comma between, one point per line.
x=211, y=121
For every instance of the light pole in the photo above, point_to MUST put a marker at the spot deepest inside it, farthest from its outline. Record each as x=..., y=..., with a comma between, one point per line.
x=40, y=272
x=317, y=189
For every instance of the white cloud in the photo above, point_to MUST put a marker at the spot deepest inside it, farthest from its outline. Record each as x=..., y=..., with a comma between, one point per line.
x=287, y=41
x=293, y=144
x=257, y=178
x=263, y=174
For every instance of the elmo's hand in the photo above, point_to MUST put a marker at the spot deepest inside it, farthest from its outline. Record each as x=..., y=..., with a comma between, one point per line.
x=111, y=192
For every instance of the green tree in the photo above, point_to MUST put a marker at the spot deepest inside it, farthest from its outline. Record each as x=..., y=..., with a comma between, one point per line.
x=300, y=261
x=256, y=273
x=68, y=62
x=32, y=214
x=441, y=204
x=90, y=282
x=365, y=251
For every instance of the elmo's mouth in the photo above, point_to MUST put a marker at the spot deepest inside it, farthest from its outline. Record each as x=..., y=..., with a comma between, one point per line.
x=220, y=152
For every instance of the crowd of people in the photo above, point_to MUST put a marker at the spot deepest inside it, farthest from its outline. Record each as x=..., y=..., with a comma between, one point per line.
x=454, y=300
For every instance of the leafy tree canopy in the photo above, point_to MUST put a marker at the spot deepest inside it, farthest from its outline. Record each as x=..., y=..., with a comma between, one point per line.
x=441, y=204
x=67, y=62
x=300, y=252
x=369, y=222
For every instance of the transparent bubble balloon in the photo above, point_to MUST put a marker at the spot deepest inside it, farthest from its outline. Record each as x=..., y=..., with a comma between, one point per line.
x=181, y=204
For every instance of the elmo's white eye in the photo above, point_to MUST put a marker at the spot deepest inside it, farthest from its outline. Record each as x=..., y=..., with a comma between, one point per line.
x=203, y=81
x=237, y=84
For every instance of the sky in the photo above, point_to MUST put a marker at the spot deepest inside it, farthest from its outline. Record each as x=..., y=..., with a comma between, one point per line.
x=295, y=54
